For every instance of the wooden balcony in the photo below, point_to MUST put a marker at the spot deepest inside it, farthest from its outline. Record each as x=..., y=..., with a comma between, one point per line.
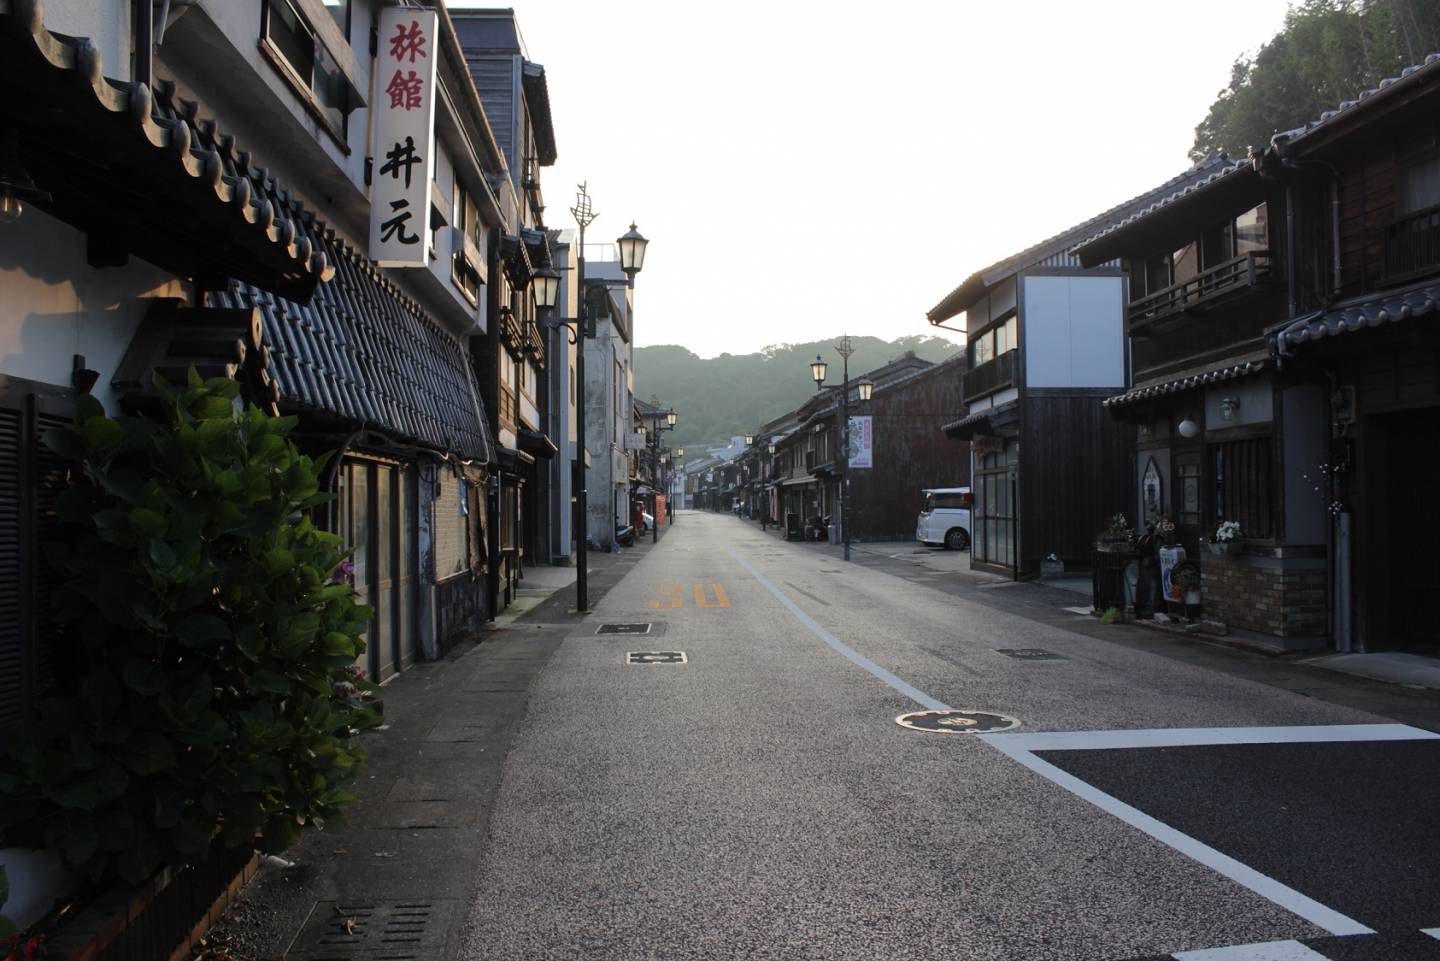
x=990, y=376
x=1412, y=245
x=535, y=343
x=1223, y=280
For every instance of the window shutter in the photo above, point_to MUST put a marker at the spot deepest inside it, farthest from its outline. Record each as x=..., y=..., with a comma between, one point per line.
x=13, y=703
x=31, y=477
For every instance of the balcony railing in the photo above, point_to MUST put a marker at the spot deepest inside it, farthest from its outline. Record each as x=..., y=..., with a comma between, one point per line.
x=990, y=376
x=1233, y=275
x=507, y=407
x=1412, y=245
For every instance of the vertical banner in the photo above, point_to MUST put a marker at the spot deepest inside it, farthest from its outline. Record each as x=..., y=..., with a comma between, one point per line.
x=862, y=442
x=404, y=145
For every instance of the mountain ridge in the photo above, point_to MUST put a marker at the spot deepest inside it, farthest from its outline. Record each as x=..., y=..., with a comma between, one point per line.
x=721, y=397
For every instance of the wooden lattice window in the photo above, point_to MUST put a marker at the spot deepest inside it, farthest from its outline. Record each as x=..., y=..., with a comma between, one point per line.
x=1243, y=490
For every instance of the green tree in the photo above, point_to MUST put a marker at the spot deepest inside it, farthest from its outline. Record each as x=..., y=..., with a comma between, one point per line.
x=205, y=626
x=1327, y=52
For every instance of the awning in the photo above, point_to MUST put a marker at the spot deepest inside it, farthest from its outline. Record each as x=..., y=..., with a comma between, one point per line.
x=140, y=174
x=1190, y=382
x=792, y=481
x=1376, y=311
x=983, y=422
x=512, y=459
x=536, y=443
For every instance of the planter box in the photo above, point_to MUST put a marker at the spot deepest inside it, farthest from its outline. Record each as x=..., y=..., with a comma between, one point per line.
x=1228, y=547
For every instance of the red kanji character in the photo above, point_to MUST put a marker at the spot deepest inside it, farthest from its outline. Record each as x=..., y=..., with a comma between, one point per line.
x=407, y=42
x=404, y=90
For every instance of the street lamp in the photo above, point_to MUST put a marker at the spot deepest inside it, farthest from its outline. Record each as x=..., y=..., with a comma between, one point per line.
x=632, y=252
x=817, y=371
x=545, y=284
x=866, y=389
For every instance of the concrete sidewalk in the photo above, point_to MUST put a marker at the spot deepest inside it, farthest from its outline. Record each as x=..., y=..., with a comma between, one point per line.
x=410, y=852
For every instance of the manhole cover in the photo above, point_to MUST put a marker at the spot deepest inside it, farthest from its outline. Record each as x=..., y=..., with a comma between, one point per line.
x=956, y=722
x=623, y=629
x=374, y=930
x=1029, y=654
x=655, y=657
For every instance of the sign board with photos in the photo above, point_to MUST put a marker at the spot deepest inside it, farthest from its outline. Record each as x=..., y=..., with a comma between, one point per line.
x=403, y=147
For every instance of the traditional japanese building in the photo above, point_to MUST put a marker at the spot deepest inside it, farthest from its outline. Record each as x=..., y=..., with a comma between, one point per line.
x=1046, y=337
x=250, y=190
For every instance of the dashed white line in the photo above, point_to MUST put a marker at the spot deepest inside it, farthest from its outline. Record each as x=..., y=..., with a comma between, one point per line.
x=1266, y=951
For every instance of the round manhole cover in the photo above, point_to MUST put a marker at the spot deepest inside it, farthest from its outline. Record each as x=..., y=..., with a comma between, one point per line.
x=956, y=722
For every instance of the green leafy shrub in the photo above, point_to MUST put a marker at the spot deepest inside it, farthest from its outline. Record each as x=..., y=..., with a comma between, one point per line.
x=204, y=626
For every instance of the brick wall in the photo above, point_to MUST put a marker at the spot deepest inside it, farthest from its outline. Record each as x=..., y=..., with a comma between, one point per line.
x=1284, y=602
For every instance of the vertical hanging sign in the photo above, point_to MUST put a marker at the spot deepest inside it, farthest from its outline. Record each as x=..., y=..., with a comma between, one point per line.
x=404, y=144
x=862, y=442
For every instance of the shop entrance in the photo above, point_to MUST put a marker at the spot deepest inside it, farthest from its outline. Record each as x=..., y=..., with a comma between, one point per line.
x=1404, y=542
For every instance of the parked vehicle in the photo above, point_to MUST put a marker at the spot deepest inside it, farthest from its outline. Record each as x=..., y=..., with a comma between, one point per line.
x=944, y=520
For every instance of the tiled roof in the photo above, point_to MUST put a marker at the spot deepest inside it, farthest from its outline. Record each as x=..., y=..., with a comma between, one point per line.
x=1417, y=301
x=1216, y=376
x=363, y=350
x=1005, y=413
x=242, y=199
x=1223, y=175
x=1429, y=67
x=964, y=296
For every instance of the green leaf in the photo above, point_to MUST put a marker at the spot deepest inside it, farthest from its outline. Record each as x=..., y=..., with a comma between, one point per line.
x=270, y=682
x=279, y=561
x=66, y=442
x=100, y=433
x=201, y=630
x=147, y=522
x=144, y=677
x=148, y=753
x=281, y=832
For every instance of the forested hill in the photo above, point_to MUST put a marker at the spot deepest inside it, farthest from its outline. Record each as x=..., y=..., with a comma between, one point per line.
x=728, y=395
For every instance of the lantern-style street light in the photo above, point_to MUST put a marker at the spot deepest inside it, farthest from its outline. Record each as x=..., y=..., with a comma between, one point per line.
x=817, y=371
x=632, y=252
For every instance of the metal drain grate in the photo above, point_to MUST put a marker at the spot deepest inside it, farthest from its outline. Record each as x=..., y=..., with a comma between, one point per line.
x=655, y=657
x=623, y=629
x=1029, y=654
x=412, y=930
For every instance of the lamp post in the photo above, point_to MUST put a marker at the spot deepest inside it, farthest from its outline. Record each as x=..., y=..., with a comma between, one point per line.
x=680, y=470
x=669, y=424
x=546, y=284
x=817, y=371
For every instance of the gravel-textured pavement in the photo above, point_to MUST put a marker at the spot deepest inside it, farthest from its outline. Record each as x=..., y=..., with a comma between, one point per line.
x=760, y=802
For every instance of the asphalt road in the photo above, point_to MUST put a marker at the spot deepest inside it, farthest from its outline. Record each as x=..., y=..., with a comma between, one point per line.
x=758, y=799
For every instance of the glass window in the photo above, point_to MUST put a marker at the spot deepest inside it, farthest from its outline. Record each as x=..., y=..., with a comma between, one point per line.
x=1187, y=262
x=983, y=349
x=1215, y=245
x=305, y=58
x=1187, y=513
x=1242, y=488
x=1157, y=274
x=340, y=10
x=1251, y=231
x=1418, y=185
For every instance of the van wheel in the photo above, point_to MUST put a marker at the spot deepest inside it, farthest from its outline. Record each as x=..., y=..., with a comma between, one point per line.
x=956, y=539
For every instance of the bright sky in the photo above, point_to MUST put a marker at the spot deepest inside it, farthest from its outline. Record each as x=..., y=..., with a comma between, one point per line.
x=807, y=168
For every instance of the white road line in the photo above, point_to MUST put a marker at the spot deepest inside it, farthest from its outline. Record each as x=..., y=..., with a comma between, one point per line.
x=1433, y=932
x=920, y=697
x=1198, y=736
x=1268, y=951
x=1019, y=747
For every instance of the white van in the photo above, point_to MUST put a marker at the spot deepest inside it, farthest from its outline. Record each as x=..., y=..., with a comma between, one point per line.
x=945, y=518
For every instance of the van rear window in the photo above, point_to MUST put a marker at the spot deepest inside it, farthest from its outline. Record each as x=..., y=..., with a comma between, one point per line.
x=950, y=501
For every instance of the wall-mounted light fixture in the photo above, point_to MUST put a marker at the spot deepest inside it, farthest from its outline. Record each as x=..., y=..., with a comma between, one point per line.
x=1188, y=428
x=15, y=182
x=82, y=378
x=1229, y=406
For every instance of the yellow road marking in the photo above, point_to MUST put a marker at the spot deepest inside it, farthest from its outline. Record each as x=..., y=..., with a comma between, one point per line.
x=702, y=600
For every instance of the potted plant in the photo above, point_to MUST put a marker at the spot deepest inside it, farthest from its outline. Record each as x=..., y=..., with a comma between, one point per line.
x=1227, y=538
x=1185, y=584
x=1117, y=535
x=1164, y=529
x=1052, y=566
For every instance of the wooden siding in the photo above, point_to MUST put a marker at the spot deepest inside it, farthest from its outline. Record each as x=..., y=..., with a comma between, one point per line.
x=1076, y=470
x=1367, y=204
x=911, y=453
x=495, y=79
